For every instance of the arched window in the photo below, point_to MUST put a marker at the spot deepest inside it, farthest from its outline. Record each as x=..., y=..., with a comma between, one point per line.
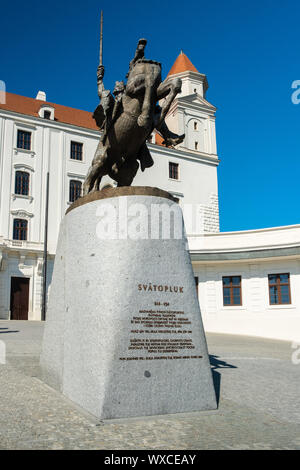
x=75, y=190
x=20, y=229
x=22, y=183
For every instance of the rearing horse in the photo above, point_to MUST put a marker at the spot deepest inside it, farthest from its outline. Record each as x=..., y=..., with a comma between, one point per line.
x=125, y=142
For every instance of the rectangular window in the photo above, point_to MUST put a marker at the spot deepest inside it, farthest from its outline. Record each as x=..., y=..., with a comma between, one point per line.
x=20, y=229
x=173, y=171
x=279, y=289
x=76, y=150
x=24, y=140
x=196, y=145
x=232, y=290
x=75, y=190
x=22, y=183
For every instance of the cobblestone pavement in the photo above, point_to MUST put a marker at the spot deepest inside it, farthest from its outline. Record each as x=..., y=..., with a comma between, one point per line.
x=257, y=383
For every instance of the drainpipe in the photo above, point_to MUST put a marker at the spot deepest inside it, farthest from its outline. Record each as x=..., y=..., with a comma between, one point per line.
x=44, y=294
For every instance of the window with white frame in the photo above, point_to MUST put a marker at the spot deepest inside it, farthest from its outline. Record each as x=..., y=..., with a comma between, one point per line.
x=173, y=170
x=75, y=190
x=76, y=150
x=232, y=290
x=20, y=229
x=24, y=140
x=279, y=289
x=22, y=183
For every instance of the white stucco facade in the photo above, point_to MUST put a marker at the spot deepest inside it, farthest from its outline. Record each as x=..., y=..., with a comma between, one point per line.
x=253, y=255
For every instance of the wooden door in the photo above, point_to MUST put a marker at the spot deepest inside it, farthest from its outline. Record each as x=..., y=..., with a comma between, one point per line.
x=19, y=298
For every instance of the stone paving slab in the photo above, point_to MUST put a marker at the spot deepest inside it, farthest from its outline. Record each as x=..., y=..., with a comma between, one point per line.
x=256, y=381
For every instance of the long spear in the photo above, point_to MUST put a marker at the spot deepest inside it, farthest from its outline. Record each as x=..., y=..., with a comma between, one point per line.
x=101, y=40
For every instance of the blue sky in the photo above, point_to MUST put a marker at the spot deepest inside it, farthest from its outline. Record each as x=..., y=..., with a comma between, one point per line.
x=248, y=50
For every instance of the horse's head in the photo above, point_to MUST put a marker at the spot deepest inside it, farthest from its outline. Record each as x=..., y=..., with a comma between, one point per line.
x=144, y=68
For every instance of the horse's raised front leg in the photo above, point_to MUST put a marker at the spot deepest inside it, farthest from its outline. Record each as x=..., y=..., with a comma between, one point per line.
x=145, y=118
x=167, y=89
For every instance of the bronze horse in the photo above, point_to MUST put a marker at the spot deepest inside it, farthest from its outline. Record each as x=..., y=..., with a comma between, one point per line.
x=131, y=125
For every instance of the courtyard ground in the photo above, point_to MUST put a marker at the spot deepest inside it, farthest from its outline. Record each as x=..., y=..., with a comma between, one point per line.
x=257, y=384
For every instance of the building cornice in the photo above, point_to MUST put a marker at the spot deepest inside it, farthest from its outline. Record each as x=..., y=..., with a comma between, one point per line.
x=190, y=100
x=196, y=107
x=208, y=111
x=8, y=246
x=251, y=231
x=185, y=154
x=245, y=255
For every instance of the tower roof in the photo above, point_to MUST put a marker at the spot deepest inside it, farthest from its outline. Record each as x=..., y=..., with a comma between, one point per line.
x=182, y=64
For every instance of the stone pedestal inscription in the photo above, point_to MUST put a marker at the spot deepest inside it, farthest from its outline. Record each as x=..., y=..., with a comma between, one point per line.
x=124, y=335
x=161, y=330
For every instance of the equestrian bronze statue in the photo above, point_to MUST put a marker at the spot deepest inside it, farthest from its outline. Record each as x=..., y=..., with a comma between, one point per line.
x=127, y=118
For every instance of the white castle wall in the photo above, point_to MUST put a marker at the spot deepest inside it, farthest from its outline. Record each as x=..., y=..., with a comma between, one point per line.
x=251, y=254
x=256, y=317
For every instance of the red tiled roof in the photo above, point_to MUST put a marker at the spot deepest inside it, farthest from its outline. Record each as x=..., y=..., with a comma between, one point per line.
x=30, y=106
x=159, y=140
x=182, y=64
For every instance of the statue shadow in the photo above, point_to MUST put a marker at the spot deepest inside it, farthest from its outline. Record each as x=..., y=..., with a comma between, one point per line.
x=216, y=363
x=9, y=331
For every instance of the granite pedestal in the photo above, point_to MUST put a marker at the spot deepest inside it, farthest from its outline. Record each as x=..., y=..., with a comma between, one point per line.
x=123, y=335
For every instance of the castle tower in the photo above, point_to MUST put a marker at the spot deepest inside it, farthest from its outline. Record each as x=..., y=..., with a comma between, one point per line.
x=190, y=112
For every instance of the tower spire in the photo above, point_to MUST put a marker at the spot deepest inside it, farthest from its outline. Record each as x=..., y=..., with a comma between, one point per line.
x=182, y=64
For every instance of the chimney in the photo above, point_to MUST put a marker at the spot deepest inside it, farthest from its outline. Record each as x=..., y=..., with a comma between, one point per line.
x=41, y=96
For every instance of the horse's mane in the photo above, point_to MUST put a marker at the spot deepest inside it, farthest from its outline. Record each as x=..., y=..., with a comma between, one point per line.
x=147, y=61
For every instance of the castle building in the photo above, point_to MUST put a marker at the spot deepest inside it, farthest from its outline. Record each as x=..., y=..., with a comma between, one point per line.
x=248, y=282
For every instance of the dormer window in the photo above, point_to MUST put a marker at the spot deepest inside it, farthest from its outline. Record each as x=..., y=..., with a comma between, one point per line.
x=47, y=114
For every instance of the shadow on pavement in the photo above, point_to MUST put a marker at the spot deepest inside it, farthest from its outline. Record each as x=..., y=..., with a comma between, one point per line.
x=10, y=331
x=216, y=363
